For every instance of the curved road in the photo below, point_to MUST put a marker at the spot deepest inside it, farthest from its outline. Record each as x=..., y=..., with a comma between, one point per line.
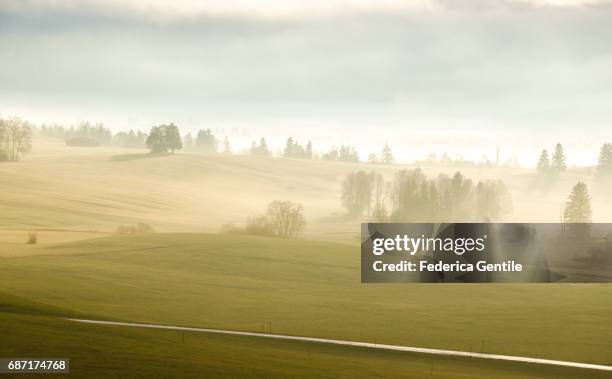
x=359, y=344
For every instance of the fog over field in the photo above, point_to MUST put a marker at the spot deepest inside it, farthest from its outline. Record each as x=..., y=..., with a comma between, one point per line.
x=208, y=164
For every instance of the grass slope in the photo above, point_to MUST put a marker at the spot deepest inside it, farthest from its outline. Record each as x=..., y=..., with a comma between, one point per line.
x=31, y=330
x=308, y=288
x=96, y=189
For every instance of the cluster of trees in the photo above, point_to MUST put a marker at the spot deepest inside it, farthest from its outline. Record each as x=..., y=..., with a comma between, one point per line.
x=132, y=139
x=204, y=142
x=282, y=219
x=294, y=150
x=140, y=228
x=85, y=134
x=261, y=149
x=411, y=196
x=343, y=154
x=88, y=134
x=15, y=138
x=386, y=156
x=164, y=138
x=552, y=164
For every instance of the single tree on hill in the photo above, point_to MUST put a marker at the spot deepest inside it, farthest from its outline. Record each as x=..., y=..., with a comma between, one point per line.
x=164, y=138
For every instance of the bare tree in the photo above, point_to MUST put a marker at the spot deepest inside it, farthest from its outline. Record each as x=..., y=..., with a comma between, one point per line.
x=357, y=190
x=286, y=218
x=15, y=137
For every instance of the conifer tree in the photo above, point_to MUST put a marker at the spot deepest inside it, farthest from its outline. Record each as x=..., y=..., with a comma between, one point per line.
x=604, y=166
x=558, y=158
x=263, y=147
x=387, y=155
x=544, y=162
x=578, y=210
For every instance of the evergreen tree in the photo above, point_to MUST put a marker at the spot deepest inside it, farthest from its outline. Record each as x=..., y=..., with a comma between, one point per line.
x=387, y=155
x=263, y=147
x=558, y=158
x=544, y=162
x=294, y=150
x=604, y=166
x=289, y=148
x=344, y=154
x=578, y=210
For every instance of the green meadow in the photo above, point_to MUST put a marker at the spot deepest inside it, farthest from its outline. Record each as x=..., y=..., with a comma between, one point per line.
x=188, y=274
x=34, y=330
x=307, y=288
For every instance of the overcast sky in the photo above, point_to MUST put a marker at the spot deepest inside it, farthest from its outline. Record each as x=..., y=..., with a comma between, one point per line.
x=468, y=73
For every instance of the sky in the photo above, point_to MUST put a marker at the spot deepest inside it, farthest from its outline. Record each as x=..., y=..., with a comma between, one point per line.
x=456, y=76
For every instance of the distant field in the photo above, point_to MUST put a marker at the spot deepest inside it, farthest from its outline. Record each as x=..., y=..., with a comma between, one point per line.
x=32, y=330
x=308, y=288
x=74, y=199
x=97, y=189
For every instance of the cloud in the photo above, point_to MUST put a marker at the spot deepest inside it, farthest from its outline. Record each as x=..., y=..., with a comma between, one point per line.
x=539, y=65
x=163, y=10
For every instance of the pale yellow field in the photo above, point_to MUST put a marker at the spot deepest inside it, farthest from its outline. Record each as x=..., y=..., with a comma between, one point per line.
x=82, y=192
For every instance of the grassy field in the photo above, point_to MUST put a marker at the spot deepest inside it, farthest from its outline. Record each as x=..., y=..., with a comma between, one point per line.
x=308, y=288
x=96, y=189
x=33, y=330
x=74, y=198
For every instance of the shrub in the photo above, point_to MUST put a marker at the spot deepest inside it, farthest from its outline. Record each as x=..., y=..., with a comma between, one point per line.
x=140, y=228
x=282, y=219
x=144, y=228
x=32, y=238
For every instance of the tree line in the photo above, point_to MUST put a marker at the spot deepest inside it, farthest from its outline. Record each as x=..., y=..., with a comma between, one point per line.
x=205, y=142
x=17, y=133
x=167, y=138
x=554, y=163
x=557, y=161
x=88, y=134
x=411, y=196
